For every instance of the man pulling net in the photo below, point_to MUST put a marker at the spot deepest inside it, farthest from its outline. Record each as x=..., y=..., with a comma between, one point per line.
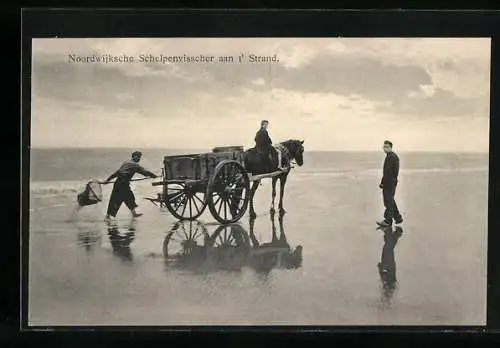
x=122, y=192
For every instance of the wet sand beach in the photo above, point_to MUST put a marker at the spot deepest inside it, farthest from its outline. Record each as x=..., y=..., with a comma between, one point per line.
x=319, y=268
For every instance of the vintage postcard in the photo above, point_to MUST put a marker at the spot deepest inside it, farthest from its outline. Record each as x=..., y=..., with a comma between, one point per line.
x=258, y=181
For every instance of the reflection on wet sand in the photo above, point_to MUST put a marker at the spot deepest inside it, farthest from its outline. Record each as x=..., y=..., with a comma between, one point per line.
x=189, y=246
x=387, y=264
x=88, y=237
x=275, y=254
x=120, y=242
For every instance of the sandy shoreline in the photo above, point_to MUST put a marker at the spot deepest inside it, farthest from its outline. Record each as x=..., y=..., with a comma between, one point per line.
x=440, y=258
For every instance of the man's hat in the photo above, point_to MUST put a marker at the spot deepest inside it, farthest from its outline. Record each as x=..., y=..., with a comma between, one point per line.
x=387, y=142
x=264, y=121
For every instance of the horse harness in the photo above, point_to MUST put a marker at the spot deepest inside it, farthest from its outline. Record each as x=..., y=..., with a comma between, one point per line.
x=284, y=152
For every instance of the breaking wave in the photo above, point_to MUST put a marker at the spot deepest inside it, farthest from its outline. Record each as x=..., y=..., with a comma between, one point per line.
x=378, y=171
x=68, y=189
x=445, y=170
x=71, y=188
x=56, y=189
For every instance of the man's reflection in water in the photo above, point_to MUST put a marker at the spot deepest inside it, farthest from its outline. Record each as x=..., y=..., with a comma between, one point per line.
x=387, y=264
x=120, y=242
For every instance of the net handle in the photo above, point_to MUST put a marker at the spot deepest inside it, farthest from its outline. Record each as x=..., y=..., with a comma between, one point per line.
x=111, y=182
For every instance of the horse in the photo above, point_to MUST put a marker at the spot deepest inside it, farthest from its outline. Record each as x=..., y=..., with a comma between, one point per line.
x=256, y=164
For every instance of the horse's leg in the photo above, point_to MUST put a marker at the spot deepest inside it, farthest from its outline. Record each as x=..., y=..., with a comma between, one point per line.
x=274, y=235
x=255, y=185
x=282, y=231
x=282, y=191
x=273, y=195
x=255, y=242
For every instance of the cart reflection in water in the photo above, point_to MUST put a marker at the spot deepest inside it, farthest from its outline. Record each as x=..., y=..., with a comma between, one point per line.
x=120, y=241
x=189, y=246
x=387, y=264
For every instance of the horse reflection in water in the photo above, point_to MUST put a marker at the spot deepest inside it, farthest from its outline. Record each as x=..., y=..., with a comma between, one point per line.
x=275, y=254
x=387, y=264
x=120, y=242
x=189, y=246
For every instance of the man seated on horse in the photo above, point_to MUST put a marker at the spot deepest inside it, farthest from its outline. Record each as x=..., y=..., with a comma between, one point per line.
x=263, y=144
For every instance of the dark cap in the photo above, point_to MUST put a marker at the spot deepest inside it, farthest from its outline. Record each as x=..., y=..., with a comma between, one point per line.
x=387, y=142
x=136, y=154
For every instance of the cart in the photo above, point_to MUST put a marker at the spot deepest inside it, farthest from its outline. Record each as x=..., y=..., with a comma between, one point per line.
x=217, y=179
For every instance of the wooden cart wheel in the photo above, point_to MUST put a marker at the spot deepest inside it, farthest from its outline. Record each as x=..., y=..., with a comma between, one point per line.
x=228, y=192
x=184, y=238
x=184, y=201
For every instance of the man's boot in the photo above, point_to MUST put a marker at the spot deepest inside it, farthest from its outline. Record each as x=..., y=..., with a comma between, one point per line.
x=384, y=223
x=135, y=213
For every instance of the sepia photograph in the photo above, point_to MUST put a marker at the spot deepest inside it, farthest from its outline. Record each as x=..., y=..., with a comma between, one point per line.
x=258, y=181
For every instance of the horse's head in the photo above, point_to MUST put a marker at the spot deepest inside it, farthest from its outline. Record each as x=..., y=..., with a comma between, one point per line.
x=296, y=148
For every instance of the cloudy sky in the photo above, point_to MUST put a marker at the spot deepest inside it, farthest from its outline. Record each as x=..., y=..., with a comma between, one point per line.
x=335, y=93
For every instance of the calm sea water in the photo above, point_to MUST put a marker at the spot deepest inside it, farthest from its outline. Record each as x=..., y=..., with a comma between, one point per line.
x=82, y=164
x=83, y=271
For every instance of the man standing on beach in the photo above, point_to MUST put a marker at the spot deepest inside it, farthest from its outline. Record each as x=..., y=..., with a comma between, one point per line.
x=388, y=185
x=121, y=189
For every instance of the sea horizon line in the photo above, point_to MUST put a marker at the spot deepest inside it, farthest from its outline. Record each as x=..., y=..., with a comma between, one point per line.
x=201, y=150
